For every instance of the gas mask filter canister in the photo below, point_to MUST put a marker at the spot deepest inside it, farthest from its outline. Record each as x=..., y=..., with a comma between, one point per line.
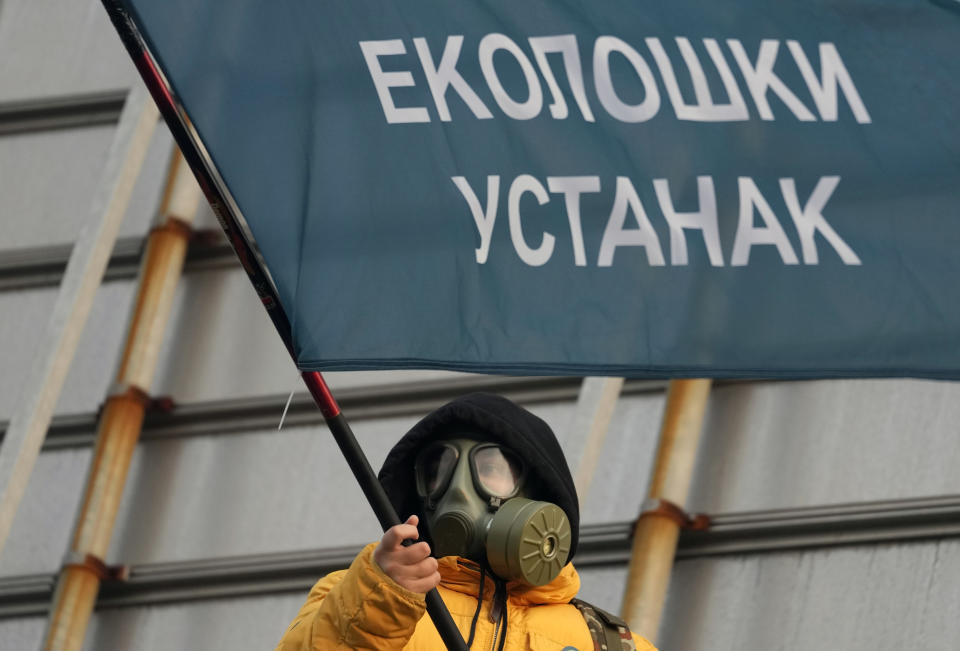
x=475, y=507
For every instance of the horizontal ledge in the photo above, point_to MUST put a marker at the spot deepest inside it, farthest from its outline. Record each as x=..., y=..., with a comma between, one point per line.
x=826, y=526
x=61, y=112
x=224, y=417
x=44, y=266
x=601, y=545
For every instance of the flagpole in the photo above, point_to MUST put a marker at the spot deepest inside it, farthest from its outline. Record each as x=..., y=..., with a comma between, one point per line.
x=230, y=218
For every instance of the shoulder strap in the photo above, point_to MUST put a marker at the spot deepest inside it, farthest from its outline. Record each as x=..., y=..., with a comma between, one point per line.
x=609, y=632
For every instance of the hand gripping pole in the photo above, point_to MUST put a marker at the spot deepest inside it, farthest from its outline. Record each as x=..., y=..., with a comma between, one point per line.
x=375, y=494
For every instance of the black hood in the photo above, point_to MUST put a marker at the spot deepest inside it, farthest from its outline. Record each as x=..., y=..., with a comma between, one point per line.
x=501, y=421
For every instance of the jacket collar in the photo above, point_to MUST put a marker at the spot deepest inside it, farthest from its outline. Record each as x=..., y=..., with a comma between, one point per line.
x=461, y=575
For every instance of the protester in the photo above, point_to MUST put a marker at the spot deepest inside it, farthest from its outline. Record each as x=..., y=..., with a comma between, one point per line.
x=487, y=489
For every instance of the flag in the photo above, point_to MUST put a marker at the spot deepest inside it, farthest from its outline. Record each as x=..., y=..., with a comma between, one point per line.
x=603, y=187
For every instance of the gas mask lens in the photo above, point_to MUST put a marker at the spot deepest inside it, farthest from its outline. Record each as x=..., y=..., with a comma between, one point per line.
x=434, y=468
x=495, y=470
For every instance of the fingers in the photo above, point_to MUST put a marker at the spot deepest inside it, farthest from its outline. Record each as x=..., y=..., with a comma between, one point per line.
x=419, y=577
x=401, y=557
x=412, y=554
x=412, y=567
x=414, y=571
x=407, y=567
x=423, y=585
x=395, y=535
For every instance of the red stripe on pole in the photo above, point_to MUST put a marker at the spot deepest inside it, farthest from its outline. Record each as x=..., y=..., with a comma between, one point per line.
x=158, y=79
x=321, y=394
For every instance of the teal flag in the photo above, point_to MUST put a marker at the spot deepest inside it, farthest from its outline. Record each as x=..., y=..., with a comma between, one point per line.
x=598, y=187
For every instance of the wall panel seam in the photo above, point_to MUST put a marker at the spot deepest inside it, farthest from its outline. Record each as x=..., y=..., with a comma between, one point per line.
x=602, y=545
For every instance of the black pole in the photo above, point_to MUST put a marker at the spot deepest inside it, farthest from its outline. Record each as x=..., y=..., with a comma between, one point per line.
x=231, y=220
x=375, y=494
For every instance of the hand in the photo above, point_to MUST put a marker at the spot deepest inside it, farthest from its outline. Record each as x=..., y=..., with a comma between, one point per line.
x=412, y=567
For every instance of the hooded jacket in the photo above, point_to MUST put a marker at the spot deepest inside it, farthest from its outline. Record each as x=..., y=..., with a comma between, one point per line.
x=363, y=608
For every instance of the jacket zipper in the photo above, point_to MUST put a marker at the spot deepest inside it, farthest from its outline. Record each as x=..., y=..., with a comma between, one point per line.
x=496, y=630
x=498, y=608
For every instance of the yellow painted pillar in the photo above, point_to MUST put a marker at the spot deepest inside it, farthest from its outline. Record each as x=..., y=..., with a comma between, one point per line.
x=122, y=416
x=658, y=528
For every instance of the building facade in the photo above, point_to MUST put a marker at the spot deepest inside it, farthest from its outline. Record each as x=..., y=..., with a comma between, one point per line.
x=836, y=505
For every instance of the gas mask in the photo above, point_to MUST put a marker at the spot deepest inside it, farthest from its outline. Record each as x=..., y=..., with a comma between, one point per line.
x=476, y=506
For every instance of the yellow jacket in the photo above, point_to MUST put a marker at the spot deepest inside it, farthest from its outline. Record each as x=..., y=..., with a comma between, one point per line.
x=363, y=608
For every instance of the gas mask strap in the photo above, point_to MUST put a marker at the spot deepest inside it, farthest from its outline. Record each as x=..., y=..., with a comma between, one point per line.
x=476, y=614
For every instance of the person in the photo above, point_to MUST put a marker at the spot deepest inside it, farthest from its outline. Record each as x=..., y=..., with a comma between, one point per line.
x=488, y=492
